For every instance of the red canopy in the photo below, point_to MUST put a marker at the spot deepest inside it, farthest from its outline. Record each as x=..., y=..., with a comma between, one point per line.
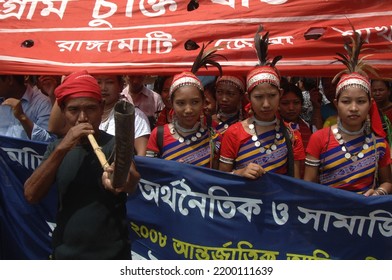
x=62, y=36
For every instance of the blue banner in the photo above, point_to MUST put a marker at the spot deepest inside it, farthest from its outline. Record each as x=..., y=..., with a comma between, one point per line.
x=25, y=229
x=185, y=212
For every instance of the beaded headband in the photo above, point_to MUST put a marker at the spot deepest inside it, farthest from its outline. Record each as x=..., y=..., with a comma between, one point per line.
x=238, y=82
x=185, y=79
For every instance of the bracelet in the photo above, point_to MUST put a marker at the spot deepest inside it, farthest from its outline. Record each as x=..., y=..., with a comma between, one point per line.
x=381, y=191
x=312, y=162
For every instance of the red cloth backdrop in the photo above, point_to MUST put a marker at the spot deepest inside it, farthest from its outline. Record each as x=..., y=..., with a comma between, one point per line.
x=148, y=36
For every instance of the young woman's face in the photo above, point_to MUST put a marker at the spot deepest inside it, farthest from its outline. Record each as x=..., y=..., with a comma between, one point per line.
x=188, y=103
x=110, y=88
x=228, y=97
x=380, y=92
x=290, y=107
x=353, y=106
x=209, y=104
x=264, y=99
x=165, y=92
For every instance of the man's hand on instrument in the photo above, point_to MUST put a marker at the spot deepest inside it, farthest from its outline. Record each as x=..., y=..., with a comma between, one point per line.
x=129, y=186
x=74, y=134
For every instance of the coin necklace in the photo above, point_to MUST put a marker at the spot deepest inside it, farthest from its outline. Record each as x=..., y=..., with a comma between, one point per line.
x=268, y=149
x=175, y=128
x=347, y=154
x=220, y=114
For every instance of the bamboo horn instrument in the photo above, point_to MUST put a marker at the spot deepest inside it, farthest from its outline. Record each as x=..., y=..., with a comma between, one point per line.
x=124, y=120
x=98, y=151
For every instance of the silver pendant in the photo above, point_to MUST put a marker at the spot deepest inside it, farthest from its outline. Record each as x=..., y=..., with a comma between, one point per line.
x=201, y=129
x=194, y=138
x=335, y=131
x=257, y=144
x=277, y=136
x=181, y=140
x=198, y=135
x=268, y=152
x=254, y=137
x=347, y=155
x=365, y=146
x=172, y=130
x=344, y=149
x=226, y=126
x=368, y=140
x=338, y=136
x=360, y=155
x=354, y=158
x=273, y=147
x=251, y=126
x=341, y=141
x=187, y=141
x=262, y=150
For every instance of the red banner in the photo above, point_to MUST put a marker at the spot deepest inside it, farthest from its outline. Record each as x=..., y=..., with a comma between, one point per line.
x=61, y=36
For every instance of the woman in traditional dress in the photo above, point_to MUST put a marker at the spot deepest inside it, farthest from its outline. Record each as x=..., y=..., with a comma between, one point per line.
x=229, y=95
x=353, y=154
x=262, y=142
x=290, y=106
x=381, y=92
x=187, y=139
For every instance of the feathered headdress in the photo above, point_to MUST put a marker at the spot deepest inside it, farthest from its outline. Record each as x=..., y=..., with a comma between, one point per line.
x=203, y=59
x=356, y=72
x=265, y=72
x=356, y=75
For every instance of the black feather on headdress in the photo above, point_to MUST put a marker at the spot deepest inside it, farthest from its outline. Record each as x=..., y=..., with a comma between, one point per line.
x=351, y=60
x=207, y=57
x=261, y=45
x=191, y=45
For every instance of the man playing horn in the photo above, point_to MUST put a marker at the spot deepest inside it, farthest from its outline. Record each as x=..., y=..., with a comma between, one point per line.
x=91, y=218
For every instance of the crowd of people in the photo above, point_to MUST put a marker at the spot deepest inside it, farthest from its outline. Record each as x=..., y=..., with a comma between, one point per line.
x=336, y=134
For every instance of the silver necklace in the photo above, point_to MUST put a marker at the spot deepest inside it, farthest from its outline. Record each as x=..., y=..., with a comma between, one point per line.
x=187, y=139
x=268, y=149
x=186, y=130
x=220, y=114
x=225, y=115
x=264, y=123
x=348, y=132
x=343, y=147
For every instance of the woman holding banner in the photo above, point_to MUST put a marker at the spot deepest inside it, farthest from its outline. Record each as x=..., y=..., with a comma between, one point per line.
x=187, y=138
x=262, y=142
x=353, y=154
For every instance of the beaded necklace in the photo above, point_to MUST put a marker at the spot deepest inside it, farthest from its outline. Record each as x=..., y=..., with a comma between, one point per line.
x=221, y=114
x=347, y=154
x=175, y=128
x=268, y=149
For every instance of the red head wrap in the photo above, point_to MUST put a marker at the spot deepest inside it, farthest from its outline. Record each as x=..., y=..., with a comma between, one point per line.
x=237, y=81
x=185, y=79
x=78, y=84
x=353, y=80
x=262, y=74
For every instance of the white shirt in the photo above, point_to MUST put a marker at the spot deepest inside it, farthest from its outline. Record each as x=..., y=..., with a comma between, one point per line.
x=142, y=126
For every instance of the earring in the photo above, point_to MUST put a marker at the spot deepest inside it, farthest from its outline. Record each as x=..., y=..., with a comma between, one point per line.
x=367, y=126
